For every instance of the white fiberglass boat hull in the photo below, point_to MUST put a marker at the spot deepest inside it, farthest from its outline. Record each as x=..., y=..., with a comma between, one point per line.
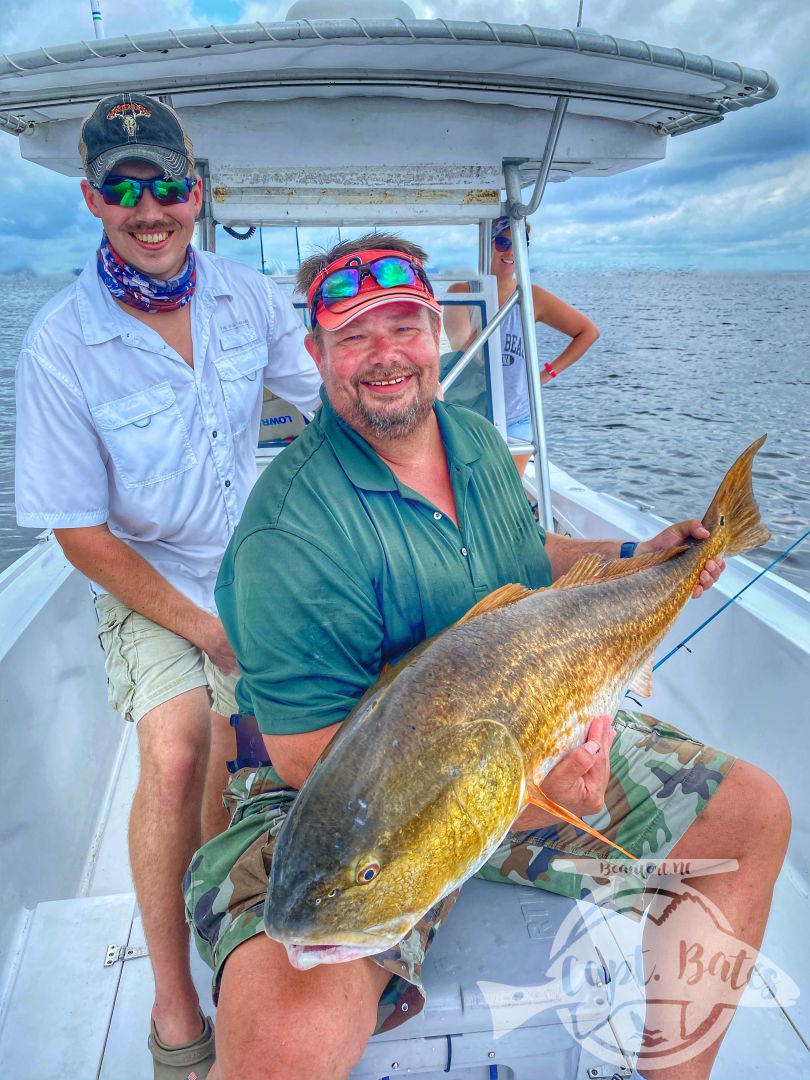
x=67, y=894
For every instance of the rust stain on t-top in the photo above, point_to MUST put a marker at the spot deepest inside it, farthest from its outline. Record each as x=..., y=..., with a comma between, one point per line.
x=481, y=195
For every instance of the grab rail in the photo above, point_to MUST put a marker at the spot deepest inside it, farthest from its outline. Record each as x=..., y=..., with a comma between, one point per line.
x=476, y=344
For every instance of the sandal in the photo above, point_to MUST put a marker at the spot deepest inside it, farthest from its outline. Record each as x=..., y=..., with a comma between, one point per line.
x=189, y=1061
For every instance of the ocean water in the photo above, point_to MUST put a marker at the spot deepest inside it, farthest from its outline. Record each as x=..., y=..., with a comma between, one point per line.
x=690, y=368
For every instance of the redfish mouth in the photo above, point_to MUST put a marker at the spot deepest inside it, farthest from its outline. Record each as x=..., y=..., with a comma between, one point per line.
x=304, y=957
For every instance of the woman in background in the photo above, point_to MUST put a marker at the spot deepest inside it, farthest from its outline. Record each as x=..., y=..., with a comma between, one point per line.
x=548, y=309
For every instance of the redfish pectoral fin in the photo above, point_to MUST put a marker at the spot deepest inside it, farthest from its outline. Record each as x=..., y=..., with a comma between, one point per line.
x=537, y=797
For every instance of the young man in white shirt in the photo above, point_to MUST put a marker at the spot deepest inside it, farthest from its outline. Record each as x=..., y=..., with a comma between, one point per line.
x=153, y=363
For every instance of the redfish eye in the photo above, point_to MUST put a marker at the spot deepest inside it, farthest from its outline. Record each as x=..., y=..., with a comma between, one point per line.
x=367, y=872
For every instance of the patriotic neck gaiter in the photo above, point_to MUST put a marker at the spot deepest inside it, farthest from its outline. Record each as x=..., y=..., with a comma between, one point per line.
x=137, y=290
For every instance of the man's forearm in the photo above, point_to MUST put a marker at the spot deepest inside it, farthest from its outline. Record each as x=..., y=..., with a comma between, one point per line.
x=129, y=577
x=563, y=551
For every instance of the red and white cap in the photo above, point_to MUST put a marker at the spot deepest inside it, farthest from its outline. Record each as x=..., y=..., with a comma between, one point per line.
x=371, y=294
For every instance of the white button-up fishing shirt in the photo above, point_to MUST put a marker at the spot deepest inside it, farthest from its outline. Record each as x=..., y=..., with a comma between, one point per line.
x=114, y=426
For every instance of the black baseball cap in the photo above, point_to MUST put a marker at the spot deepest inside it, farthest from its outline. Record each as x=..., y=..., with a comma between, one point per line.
x=134, y=127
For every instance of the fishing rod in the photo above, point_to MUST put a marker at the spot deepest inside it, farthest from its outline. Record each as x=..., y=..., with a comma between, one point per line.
x=720, y=610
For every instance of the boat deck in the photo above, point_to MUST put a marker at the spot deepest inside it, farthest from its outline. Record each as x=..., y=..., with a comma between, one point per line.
x=494, y=984
x=70, y=1016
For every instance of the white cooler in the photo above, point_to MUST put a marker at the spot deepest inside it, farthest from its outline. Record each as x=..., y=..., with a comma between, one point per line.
x=511, y=976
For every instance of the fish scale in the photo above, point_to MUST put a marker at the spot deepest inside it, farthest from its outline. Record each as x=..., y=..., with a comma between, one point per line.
x=598, y=685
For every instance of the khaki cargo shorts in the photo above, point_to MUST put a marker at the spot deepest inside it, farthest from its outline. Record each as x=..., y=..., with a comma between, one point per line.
x=147, y=664
x=660, y=782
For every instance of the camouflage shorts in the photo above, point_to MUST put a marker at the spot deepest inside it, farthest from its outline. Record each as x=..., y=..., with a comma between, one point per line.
x=660, y=781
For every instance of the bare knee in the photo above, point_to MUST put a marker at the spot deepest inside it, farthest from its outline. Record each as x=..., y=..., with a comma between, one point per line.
x=310, y=1047
x=767, y=807
x=174, y=754
x=304, y=1041
x=275, y=1023
x=179, y=778
x=748, y=819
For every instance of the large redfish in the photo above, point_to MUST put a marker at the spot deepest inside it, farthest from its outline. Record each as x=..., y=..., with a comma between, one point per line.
x=423, y=781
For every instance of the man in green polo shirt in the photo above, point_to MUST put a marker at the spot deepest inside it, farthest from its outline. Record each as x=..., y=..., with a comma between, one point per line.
x=389, y=518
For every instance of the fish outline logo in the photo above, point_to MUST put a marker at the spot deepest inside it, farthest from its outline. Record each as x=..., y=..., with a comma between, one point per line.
x=588, y=996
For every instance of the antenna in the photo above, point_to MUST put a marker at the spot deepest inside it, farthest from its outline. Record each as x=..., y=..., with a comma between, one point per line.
x=95, y=8
x=579, y=16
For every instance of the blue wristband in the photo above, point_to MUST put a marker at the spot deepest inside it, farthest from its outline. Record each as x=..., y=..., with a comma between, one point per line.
x=628, y=549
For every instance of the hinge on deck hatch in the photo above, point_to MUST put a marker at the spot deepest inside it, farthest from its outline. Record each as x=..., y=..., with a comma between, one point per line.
x=609, y=1072
x=122, y=953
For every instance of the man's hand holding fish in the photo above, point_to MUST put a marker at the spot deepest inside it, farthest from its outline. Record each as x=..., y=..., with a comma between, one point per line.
x=674, y=535
x=579, y=781
x=409, y=549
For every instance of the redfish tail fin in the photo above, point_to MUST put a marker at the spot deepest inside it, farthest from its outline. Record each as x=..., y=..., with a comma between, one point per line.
x=734, y=511
x=539, y=798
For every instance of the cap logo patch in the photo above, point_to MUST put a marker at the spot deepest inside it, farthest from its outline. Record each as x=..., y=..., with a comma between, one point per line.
x=128, y=112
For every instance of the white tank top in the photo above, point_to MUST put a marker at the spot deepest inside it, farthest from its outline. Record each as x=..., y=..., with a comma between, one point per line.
x=515, y=384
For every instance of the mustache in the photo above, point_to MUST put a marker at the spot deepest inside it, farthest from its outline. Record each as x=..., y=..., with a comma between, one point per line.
x=378, y=373
x=151, y=226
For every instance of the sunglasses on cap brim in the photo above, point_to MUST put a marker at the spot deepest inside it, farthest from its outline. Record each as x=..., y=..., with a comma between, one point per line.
x=127, y=190
x=389, y=272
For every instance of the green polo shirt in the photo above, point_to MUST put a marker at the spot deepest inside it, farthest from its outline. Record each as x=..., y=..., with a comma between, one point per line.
x=337, y=568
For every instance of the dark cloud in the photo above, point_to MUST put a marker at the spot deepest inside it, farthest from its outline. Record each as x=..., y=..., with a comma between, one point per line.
x=726, y=195
x=43, y=220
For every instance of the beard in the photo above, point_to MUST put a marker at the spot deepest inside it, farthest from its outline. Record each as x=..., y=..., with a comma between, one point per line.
x=388, y=419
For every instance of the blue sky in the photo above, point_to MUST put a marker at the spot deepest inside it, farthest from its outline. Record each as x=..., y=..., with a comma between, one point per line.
x=734, y=196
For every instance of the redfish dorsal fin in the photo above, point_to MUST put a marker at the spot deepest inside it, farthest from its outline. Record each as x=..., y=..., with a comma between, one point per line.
x=733, y=510
x=584, y=570
x=624, y=567
x=592, y=568
x=498, y=598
